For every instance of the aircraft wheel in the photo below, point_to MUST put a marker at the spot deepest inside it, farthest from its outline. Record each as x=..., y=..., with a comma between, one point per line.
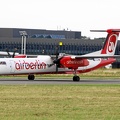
x=31, y=77
x=76, y=78
x=28, y=77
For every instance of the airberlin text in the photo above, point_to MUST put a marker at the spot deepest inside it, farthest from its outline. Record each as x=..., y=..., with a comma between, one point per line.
x=30, y=65
x=75, y=62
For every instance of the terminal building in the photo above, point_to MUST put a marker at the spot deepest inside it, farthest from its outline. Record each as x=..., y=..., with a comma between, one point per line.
x=40, y=41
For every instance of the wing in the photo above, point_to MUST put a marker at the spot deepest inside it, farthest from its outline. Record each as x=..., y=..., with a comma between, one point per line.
x=95, y=56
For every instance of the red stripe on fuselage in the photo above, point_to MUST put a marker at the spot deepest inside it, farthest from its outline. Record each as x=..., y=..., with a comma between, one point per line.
x=102, y=64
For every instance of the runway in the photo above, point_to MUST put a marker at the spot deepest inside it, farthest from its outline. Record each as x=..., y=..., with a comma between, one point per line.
x=22, y=81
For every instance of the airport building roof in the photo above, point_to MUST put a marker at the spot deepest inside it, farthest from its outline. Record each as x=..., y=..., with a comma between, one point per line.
x=40, y=33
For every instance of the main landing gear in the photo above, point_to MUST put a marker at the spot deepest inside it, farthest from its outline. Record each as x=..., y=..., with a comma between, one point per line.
x=31, y=77
x=75, y=77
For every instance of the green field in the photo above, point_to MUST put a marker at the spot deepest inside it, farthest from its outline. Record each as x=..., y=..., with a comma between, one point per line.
x=59, y=102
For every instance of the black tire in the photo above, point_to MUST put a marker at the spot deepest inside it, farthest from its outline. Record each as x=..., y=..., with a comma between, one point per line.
x=76, y=78
x=31, y=77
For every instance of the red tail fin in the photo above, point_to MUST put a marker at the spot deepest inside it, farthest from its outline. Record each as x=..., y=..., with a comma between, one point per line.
x=110, y=42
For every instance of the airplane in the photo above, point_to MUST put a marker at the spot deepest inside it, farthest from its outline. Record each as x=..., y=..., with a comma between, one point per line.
x=63, y=63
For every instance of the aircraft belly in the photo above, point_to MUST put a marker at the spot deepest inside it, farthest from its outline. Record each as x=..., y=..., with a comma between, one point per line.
x=41, y=71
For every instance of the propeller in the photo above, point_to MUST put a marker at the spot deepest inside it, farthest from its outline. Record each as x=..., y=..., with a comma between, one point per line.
x=14, y=52
x=9, y=55
x=56, y=61
x=8, y=52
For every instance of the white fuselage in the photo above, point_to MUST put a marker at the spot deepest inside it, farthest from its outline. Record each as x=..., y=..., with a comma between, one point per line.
x=25, y=65
x=43, y=64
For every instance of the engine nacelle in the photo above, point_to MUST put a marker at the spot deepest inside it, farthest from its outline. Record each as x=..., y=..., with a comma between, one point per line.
x=70, y=63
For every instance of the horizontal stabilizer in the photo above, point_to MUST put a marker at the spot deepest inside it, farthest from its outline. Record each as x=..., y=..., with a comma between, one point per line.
x=108, y=30
x=98, y=31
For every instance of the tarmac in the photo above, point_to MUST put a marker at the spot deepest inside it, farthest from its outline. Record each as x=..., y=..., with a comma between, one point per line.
x=23, y=81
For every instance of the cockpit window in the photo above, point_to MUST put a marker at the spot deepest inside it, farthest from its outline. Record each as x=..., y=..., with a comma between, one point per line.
x=2, y=63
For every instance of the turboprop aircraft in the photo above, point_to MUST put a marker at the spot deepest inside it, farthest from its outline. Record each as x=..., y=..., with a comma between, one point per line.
x=63, y=64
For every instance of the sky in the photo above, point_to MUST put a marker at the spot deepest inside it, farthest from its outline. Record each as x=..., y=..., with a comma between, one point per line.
x=74, y=15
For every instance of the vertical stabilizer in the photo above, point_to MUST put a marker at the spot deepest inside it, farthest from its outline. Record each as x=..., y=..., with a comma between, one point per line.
x=110, y=43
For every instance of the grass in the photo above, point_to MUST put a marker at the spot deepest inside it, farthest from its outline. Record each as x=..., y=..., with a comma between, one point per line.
x=102, y=73
x=59, y=102
x=62, y=102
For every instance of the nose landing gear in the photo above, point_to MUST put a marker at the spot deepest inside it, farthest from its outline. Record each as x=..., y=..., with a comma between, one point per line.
x=31, y=77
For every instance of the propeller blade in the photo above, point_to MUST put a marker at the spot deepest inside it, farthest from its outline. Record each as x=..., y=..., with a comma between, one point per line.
x=14, y=52
x=57, y=62
x=8, y=52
